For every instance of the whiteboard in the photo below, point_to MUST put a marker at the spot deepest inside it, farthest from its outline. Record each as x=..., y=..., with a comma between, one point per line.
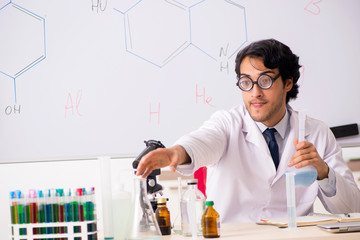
x=98, y=77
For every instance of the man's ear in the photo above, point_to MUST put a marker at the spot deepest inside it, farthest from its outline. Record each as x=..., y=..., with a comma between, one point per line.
x=288, y=84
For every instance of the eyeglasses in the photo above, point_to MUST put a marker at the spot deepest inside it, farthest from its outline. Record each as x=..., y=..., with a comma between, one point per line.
x=264, y=81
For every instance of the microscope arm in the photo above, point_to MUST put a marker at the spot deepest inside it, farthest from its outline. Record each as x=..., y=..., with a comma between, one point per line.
x=151, y=184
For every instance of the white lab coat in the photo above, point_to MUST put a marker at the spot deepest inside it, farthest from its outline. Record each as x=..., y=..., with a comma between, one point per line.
x=242, y=180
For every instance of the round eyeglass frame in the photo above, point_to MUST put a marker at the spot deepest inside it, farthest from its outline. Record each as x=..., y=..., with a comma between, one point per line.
x=256, y=82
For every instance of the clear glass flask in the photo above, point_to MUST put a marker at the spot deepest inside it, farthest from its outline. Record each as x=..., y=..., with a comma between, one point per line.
x=192, y=208
x=307, y=175
x=143, y=224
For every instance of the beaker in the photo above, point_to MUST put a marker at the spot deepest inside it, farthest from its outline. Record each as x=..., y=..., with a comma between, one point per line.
x=121, y=202
x=304, y=176
x=143, y=224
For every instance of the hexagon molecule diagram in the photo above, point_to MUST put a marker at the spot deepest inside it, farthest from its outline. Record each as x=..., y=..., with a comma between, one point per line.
x=157, y=30
x=218, y=27
x=22, y=41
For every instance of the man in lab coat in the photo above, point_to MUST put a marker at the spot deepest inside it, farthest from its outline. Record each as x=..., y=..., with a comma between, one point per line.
x=245, y=180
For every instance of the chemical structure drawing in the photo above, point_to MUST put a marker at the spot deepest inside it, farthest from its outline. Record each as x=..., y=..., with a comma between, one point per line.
x=218, y=28
x=158, y=31
x=22, y=42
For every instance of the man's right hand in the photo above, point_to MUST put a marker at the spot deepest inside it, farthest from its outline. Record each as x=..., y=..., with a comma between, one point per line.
x=162, y=157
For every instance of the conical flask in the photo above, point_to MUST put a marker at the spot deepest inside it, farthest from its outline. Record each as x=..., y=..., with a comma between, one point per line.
x=143, y=224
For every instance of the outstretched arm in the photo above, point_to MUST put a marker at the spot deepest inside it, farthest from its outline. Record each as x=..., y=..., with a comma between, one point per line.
x=162, y=157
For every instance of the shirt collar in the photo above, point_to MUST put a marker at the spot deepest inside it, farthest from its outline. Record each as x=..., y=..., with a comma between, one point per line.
x=280, y=127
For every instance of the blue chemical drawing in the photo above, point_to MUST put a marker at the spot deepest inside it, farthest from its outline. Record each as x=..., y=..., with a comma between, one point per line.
x=218, y=28
x=22, y=42
x=158, y=31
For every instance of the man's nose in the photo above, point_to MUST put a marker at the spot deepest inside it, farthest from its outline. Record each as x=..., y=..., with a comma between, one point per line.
x=256, y=91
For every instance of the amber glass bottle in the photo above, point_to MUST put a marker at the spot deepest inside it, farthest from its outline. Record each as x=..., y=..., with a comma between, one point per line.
x=163, y=216
x=210, y=221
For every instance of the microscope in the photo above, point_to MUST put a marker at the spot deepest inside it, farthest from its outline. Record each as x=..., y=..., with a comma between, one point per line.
x=153, y=188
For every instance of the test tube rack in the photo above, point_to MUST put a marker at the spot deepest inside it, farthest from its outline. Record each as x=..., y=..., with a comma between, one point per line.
x=86, y=230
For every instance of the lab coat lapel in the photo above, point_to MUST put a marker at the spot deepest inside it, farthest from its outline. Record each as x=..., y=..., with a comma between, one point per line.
x=252, y=132
x=253, y=135
x=289, y=148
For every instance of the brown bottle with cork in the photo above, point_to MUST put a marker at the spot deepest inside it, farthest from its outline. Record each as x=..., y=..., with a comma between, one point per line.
x=163, y=216
x=210, y=221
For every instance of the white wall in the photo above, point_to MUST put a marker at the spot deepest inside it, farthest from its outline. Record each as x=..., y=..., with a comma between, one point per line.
x=94, y=94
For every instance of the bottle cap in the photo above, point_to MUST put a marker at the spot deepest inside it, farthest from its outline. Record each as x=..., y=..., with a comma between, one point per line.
x=67, y=192
x=88, y=191
x=72, y=192
x=46, y=193
x=40, y=193
x=161, y=200
x=192, y=182
x=32, y=193
x=209, y=203
x=53, y=192
x=18, y=194
x=12, y=195
x=60, y=192
x=79, y=192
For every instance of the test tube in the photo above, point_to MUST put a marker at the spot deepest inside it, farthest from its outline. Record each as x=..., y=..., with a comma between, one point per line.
x=20, y=211
x=61, y=210
x=31, y=209
x=302, y=117
x=41, y=210
x=90, y=208
x=80, y=196
x=176, y=224
x=54, y=209
x=27, y=208
x=90, y=205
x=290, y=197
x=48, y=210
x=33, y=206
x=74, y=202
x=193, y=216
x=13, y=208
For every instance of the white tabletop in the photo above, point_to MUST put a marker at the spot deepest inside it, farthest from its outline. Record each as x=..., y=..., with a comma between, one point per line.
x=251, y=231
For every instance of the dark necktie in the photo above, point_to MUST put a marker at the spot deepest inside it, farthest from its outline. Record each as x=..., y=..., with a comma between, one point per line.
x=273, y=146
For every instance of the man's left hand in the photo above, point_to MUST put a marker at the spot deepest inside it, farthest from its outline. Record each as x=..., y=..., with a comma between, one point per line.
x=306, y=155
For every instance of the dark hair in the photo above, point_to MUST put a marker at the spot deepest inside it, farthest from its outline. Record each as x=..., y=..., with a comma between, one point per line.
x=275, y=55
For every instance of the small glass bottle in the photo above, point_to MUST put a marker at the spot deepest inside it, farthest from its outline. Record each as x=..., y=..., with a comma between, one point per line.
x=163, y=216
x=192, y=207
x=210, y=221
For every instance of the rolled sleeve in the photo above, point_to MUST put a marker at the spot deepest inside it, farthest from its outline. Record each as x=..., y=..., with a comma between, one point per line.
x=189, y=168
x=328, y=185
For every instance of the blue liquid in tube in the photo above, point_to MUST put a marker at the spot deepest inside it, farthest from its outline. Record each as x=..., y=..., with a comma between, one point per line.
x=305, y=178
